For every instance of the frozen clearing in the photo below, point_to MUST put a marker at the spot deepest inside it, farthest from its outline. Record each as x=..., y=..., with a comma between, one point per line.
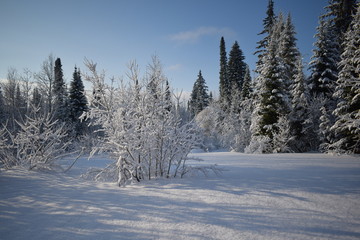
x=279, y=196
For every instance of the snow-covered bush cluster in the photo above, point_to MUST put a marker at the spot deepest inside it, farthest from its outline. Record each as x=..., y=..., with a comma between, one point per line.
x=38, y=144
x=138, y=124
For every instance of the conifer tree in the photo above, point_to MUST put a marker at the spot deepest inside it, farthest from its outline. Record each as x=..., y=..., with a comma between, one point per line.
x=340, y=13
x=167, y=100
x=289, y=51
x=347, y=112
x=36, y=99
x=224, y=80
x=246, y=89
x=236, y=70
x=324, y=64
x=268, y=23
x=20, y=103
x=199, y=98
x=211, y=98
x=77, y=103
x=270, y=121
x=301, y=133
x=59, y=93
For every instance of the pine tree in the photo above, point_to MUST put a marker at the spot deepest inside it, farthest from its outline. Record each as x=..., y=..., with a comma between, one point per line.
x=236, y=70
x=347, y=112
x=59, y=93
x=271, y=94
x=246, y=89
x=289, y=51
x=20, y=103
x=271, y=102
x=224, y=88
x=268, y=23
x=326, y=137
x=211, y=98
x=77, y=103
x=36, y=100
x=299, y=112
x=199, y=98
x=340, y=13
x=324, y=64
x=167, y=100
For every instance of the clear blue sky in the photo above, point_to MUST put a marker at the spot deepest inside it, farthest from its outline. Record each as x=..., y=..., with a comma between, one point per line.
x=185, y=34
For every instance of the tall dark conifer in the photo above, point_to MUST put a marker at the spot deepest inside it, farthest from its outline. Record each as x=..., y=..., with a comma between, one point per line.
x=246, y=89
x=324, y=64
x=236, y=69
x=199, y=98
x=268, y=23
x=224, y=80
x=59, y=93
x=77, y=103
x=347, y=112
x=340, y=13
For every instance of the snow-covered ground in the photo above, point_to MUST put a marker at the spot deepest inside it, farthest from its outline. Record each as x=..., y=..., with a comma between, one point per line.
x=278, y=196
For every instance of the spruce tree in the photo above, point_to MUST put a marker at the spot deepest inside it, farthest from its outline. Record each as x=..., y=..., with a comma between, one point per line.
x=270, y=121
x=236, y=70
x=20, y=103
x=268, y=23
x=36, y=99
x=199, y=98
x=59, y=93
x=300, y=131
x=77, y=103
x=168, y=103
x=347, y=112
x=224, y=88
x=289, y=51
x=324, y=62
x=246, y=89
x=340, y=13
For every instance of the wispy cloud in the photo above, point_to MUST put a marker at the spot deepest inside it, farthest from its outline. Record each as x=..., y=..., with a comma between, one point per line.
x=175, y=67
x=193, y=36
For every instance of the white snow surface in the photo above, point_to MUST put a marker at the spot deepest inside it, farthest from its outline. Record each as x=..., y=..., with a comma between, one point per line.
x=276, y=196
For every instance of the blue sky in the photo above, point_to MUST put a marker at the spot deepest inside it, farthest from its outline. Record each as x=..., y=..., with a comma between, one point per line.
x=185, y=34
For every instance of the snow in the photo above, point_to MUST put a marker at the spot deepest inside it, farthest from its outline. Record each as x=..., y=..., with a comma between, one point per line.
x=276, y=196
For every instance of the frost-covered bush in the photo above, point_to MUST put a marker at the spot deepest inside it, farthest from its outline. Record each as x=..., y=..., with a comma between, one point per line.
x=40, y=142
x=208, y=122
x=7, y=158
x=140, y=128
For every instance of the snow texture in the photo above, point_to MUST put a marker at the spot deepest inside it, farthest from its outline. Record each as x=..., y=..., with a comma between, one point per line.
x=277, y=196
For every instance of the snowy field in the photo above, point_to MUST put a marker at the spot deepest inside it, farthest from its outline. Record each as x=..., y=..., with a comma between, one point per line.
x=278, y=196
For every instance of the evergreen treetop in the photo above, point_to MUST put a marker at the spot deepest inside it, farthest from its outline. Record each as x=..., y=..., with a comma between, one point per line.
x=77, y=102
x=199, y=98
x=224, y=80
x=268, y=24
x=236, y=67
x=59, y=92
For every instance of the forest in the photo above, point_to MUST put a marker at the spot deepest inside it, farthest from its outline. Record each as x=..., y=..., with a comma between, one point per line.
x=149, y=132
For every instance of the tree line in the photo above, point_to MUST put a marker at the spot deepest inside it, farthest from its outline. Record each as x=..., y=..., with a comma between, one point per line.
x=150, y=133
x=281, y=109
x=44, y=93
